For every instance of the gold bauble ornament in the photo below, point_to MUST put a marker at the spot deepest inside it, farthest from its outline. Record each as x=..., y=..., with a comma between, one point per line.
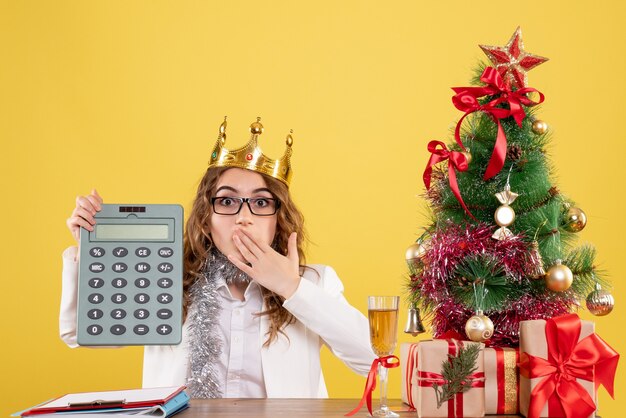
x=600, y=302
x=575, y=220
x=559, y=277
x=479, y=327
x=416, y=251
x=540, y=127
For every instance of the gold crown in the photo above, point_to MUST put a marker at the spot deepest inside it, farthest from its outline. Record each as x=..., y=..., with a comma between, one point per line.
x=250, y=155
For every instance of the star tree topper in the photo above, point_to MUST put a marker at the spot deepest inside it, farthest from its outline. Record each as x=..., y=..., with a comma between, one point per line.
x=511, y=61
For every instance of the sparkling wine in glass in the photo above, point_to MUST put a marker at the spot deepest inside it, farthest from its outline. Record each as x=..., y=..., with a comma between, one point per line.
x=383, y=319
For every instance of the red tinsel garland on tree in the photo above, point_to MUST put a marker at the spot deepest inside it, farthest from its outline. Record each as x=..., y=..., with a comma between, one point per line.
x=448, y=247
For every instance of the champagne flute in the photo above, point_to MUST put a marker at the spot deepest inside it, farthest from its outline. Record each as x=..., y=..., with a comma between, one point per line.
x=383, y=318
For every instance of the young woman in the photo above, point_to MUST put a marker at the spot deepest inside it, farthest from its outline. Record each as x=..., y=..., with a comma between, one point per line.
x=255, y=315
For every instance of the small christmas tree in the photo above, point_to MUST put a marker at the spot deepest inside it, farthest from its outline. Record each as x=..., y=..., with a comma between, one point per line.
x=499, y=248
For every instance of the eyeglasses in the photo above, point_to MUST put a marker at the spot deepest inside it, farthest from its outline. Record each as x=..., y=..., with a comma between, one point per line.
x=259, y=206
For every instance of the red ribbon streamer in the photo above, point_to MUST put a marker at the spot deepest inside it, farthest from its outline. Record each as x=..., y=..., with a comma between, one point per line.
x=370, y=383
x=466, y=100
x=568, y=360
x=456, y=161
x=500, y=378
x=428, y=379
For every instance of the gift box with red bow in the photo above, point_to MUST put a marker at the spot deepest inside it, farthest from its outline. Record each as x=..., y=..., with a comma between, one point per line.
x=562, y=363
x=424, y=383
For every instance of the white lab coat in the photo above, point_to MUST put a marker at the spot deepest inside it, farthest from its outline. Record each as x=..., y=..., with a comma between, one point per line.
x=291, y=364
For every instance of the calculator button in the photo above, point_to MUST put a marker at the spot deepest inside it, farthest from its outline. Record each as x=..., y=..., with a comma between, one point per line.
x=164, y=329
x=142, y=252
x=96, y=252
x=120, y=252
x=94, y=329
x=119, y=283
x=141, y=313
x=142, y=283
x=95, y=314
x=142, y=267
x=165, y=283
x=118, y=298
x=164, y=298
x=142, y=298
x=96, y=267
x=165, y=252
x=96, y=282
x=164, y=314
x=165, y=267
x=119, y=267
x=95, y=298
x=118, y=329
x=118, y=314
x=141, y=329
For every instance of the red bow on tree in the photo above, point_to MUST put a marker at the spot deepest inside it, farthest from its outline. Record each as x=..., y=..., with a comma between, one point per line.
x=466, y=100
x=456, y=161
x=589, y=359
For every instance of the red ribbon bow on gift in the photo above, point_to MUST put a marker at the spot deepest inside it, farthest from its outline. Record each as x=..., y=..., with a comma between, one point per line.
x=456, y=161
x=370, y=383
x=568, y=360
x=466, y=100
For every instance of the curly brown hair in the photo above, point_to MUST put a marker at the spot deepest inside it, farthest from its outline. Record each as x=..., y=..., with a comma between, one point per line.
x=198, y=243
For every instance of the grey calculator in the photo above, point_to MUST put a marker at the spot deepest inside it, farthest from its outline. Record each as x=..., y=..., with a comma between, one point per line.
x=130, y=280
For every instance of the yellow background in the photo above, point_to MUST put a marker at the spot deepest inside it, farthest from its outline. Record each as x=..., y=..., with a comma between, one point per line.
x=127, y=96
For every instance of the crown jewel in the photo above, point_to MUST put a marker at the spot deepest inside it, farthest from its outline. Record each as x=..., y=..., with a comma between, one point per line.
x=250, y=155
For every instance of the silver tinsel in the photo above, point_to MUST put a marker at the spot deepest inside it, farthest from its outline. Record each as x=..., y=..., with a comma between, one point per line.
x=205, y=344
x=220, y=264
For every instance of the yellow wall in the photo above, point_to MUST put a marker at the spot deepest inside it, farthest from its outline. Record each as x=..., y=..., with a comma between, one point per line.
x=127, y=96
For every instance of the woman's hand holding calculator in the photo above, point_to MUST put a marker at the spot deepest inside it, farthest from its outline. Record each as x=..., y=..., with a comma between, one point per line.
x=83, y=214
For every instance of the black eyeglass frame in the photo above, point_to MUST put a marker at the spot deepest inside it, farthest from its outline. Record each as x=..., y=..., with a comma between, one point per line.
x=246, y=200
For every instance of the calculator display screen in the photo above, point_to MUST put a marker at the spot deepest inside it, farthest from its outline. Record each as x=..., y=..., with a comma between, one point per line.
x=122, y=232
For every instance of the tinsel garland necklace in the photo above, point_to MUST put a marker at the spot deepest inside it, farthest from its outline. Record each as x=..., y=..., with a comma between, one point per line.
x=205, y=342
